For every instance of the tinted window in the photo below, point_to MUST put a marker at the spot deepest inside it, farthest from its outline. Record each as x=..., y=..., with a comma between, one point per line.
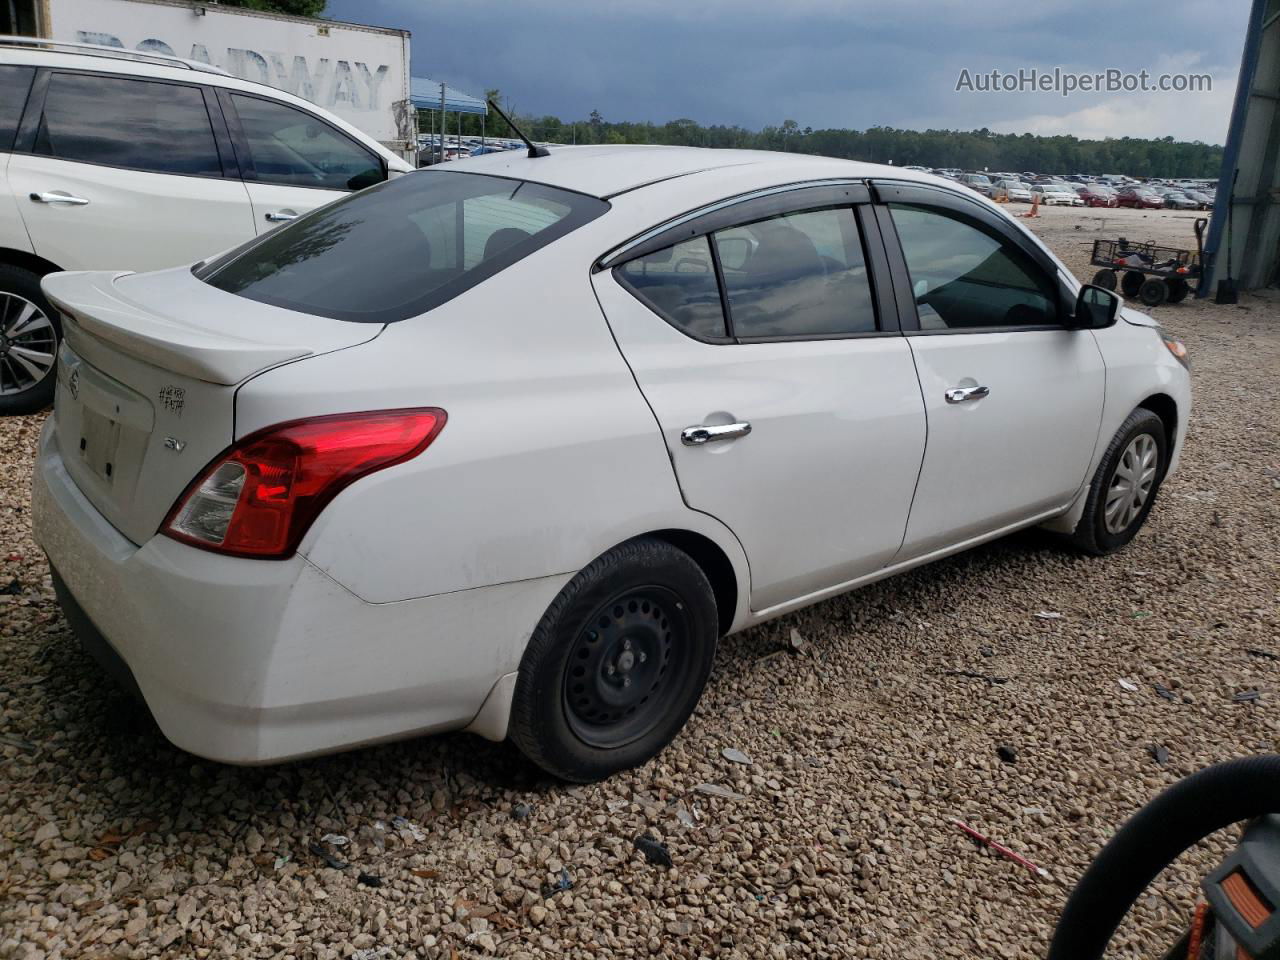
x=287, y=145
x=157, y=127
x=400, y=249
x=797, y=275
x=964, y=277
x=15, y=82
x=679, y=283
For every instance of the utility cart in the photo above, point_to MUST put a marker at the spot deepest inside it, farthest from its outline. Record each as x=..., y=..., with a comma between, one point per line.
x=1152, y=273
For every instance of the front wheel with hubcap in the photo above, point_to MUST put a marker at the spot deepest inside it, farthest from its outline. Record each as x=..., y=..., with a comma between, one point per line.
x=1125, y=485
x=28, y=342
x=617, y=664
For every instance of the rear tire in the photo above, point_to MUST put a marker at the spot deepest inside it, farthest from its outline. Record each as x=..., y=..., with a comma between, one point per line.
x=617, y=663
x=23, y=337
x=1178, y=290
x=1122, y=494
x=1106, y=279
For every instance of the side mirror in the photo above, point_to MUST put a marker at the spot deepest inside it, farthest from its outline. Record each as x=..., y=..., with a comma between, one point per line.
x=1096, y=308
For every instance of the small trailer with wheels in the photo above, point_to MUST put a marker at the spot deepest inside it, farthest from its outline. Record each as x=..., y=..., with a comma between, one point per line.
x=1152, y=273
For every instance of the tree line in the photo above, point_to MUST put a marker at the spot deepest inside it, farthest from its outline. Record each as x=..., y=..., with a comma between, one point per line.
x=967, y=149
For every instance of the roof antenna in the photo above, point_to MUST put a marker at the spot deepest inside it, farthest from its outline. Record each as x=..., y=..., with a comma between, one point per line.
x=533, y=151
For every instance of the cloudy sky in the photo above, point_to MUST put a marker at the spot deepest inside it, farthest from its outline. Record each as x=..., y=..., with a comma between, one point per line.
x=828, y=63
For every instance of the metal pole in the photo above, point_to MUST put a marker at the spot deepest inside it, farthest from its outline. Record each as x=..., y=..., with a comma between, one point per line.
x=483, y=117
x=443, y=123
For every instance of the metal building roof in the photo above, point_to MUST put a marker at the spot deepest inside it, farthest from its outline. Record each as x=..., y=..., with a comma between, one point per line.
x=425, y=94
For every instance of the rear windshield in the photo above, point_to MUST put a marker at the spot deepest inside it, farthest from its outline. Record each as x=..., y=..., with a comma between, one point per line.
x=401, y=248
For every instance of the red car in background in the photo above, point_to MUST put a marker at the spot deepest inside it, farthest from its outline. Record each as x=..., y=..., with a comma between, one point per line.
x=1139, y=198
x=1096, y=196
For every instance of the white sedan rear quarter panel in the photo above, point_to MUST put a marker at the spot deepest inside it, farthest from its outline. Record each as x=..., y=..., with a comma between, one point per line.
x=550, y=455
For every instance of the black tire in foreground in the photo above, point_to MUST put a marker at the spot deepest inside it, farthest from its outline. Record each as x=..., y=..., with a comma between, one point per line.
x=29, y=338
x=1125, y=485
x=617, y=663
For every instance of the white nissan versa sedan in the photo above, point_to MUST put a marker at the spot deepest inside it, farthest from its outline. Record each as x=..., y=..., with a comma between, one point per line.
x=507, y=446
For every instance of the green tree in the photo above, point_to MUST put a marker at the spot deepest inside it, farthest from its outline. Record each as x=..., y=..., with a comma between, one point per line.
x=297, y=8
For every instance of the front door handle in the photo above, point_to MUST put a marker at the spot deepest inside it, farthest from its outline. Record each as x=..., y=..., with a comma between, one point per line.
x=706, y=433
x=59, y=196
x=965, y=394
x=282, y=216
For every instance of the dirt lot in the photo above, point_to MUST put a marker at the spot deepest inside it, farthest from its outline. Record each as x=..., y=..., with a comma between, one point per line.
x=838, y=843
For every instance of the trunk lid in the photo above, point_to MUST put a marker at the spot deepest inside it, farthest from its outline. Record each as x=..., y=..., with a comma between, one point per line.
x=147, y=378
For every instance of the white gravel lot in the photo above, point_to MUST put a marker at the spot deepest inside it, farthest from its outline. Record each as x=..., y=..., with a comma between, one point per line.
x=837, y=841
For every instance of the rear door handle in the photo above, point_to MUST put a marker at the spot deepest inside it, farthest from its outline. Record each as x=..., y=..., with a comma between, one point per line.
x=282, y=216
x=59, y=196
x=706, y=433
x=965, y=394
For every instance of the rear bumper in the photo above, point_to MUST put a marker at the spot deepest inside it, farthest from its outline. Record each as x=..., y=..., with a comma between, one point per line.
x=251, y=661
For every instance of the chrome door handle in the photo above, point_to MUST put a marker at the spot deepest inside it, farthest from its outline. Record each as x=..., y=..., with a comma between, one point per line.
x=696, y=436
x=281, y=216
x=59, y=196
x=964, y=394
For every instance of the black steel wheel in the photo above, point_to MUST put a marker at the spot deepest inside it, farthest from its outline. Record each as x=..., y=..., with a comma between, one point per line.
x=1153, y=292
x=1106, y=279
x=617, y=663
x=614, y=689
x=1131, y=282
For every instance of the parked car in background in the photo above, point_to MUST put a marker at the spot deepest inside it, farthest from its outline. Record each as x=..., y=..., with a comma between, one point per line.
x=1096, y=195
x=276, y=490
x=1011, y=190
x=1202, y=199
x=114, y=159
x=1054, y=193
x=977, y=181
x=1177, y=200
x=1139, y=198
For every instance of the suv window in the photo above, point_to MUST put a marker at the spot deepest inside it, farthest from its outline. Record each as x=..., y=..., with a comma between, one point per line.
x=679, y=284
x=967, y=278
x=797, y=275
x=290, y=146
x=121, y=122
x=15, y=83
x=401, y=248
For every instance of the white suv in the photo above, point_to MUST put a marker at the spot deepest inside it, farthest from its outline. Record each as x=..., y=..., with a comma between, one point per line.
x=115, y=159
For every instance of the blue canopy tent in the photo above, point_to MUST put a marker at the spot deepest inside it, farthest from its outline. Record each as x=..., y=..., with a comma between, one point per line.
x=427, y=94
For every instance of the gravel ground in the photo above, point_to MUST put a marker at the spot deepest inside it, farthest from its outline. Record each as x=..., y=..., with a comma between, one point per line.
x=834, y=841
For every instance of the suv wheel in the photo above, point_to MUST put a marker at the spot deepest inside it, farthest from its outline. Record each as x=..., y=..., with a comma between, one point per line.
x=617, y=663
x=29, y=336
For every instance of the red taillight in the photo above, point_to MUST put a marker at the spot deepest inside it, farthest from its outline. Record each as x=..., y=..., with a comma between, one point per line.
x=259, y=498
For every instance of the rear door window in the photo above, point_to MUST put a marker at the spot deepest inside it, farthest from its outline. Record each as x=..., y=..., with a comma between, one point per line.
x=679, y=284
x=120, y=122
x=798, y=275
x=401, y=248
x=15, y=83
x=290, y=146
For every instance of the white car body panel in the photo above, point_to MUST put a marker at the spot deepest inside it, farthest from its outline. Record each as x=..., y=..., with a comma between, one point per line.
x=827, y=417
x=1019, y=452
x=410, y=601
